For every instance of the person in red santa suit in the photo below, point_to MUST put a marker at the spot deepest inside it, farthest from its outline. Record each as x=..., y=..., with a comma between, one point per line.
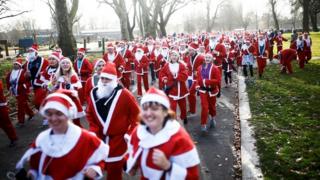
x=35, y=65
x=285, y=57
x=141, y=64
x=195, y=60
x=92, y=82
x=149, y=51
x=83, y=68
x=116, y=58
x=208, y=80
x=49, y=73
x=5, y=122
x=301, y=46
x=159, y=147
x=174, y=76
x=279, y=40
x=271, y=39
x=308, y=43
x=228, y=65
x=247, y=52
x=64, y=151
x=67, y=78
x=261, y=52
x=17, y=86
x=128, y=58
x=112, y=115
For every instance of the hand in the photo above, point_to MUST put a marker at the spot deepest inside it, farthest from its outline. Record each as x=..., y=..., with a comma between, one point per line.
x=90, y=173
x=126, y=59
x=160, y=159
x=165, y=81
x=30, y=175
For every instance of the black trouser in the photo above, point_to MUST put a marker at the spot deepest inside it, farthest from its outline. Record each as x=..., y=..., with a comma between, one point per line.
x=153, y=75
x=245, y=73
x=227, y=76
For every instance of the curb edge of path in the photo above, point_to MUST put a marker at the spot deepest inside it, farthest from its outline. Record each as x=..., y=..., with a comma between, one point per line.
x=250, y=162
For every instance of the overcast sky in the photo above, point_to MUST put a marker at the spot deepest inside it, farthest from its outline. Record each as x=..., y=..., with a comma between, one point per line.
x=105, y=17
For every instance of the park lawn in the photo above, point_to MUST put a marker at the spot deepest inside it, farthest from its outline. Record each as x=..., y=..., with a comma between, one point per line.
x=286, y=117
x=315, y=36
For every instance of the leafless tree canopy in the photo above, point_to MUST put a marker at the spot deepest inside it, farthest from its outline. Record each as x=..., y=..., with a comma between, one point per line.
x=6, y=12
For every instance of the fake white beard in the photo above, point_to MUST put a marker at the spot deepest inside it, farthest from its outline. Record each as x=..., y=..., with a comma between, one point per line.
x=31, y=56
x=105, y=90
x=174, y=68
x=138, y=56
x=261, y=42
x=150, y=48
x=119, y=49
x=156, y=52
x=212, y=43
x=14, y=74
x=164, y=53
x=111, y=56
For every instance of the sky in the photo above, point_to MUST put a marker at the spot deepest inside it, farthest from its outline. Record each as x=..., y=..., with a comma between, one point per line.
x=104, y=16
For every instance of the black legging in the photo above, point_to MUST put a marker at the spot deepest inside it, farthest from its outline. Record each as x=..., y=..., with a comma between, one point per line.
x=245, y=70
x=153, y=75
x=227, y=76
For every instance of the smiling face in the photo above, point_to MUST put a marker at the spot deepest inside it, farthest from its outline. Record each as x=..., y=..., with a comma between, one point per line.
x=53, y=62
x=65, y=65
x=153, y=115
x=57, y=121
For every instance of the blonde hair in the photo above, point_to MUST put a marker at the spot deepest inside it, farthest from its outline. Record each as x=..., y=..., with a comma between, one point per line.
x=70, y=72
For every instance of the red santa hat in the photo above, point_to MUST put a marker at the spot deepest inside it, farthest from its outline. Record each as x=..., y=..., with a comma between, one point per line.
x=110, y=46
x=109, y=71
x=97, y=61
x=156, y=95
x=34, y=47
x=82, y=51
x=55, y=55
x=193, y=46
x=19, y=61
x=139, y=47
x=65, y=101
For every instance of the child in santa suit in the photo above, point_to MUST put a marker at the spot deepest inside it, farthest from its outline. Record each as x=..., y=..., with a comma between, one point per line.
x=159, y=147
x=5, y=122
x=174, y=76
x=17, y=86
x=208, y=80
x=64, y=151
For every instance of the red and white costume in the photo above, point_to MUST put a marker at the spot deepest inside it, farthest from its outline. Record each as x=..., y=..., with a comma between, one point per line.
x=286, y=56
x=83, y=68
x=308, y=43
x=128, y=58
x=176, y=75
x=65, y=156
x=261, y=47
x=176, y=144
x=111, y=119
x=208, y=81
x=279, y=40
x=141, y=64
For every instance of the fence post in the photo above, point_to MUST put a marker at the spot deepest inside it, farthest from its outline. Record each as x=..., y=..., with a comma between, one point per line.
x=103, y=48
x=84, y=43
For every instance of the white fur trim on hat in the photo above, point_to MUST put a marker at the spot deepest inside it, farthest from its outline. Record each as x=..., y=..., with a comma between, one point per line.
x=156, y=98
x=109, y=76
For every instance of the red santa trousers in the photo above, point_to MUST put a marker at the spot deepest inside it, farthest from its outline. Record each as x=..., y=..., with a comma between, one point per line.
x=182, y=105
x=208, y=104
x=308, y=54
x=287, y=66
x=23, y=107
x=6, y=124
x=81, y=93
x=126, y=80
x=192, y=98
x=262, y=62
x=114, y=170
x=39, y=95
x=143, y=77
x=279, y=48
x=302, y=59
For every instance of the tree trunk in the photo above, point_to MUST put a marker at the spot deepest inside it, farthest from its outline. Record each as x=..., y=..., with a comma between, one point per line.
x=305, y=20
x=313, y=18
x=274, y=14
x=208, y=23
x=124, y=26
x=163, y=30
x=66, y=40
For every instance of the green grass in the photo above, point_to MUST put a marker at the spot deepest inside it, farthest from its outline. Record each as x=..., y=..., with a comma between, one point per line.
x=315, y=36
x=286, y=116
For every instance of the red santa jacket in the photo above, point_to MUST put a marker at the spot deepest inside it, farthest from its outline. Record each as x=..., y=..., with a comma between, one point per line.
x=128, y=58
x=287, y=55
x=308, y=43
x=118, y=61
x=261, y=49
x=141, y=66
x=159, y=62
x=193, y=64
x=219, y=53
x=35, y=68
x=85, y=69
x=149, y=52
x=176, y=144
x=177, y=81
x=90, y=84
x=73, y=84
x=208, y=85
x=78, y=150
x=112, y=118
x=17, y=85
x=3, y=99
x=46, y=76
x=279, y=40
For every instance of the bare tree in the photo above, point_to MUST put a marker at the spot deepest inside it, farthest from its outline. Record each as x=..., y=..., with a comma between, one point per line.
x=211, y=19
x=274, y=13
x=149, y=16
x=314, y=11
x=305, y=17
x=247, y=20
x=66, y=40
x=6, y=12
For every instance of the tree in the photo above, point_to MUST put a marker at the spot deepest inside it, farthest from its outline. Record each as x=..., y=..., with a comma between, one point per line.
x=305, y=17
x=64, y=21
x=274, y=13
x=247, y=20
x=149, y=15
x=314, y=11
x=6, y=12
x=210, y=20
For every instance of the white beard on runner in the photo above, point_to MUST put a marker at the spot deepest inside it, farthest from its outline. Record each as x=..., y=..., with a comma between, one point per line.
x=111, y=57
x=138, y=56
x=105, y=89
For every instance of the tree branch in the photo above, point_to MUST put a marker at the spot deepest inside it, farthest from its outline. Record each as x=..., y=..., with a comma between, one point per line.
x=13, y=15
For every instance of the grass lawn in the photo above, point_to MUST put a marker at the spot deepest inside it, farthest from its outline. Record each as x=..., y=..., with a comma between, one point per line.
x=286, y=116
